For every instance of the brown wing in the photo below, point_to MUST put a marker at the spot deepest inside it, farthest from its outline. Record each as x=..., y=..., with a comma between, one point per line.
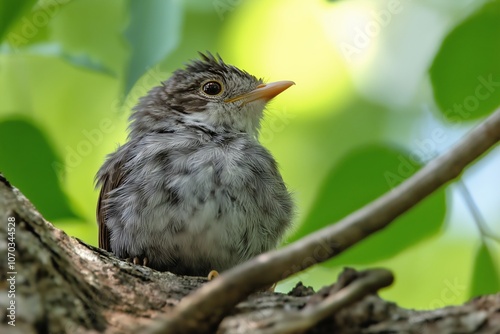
x=109, y=182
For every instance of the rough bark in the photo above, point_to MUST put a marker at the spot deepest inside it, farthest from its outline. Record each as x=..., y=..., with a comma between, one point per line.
x=63, y=285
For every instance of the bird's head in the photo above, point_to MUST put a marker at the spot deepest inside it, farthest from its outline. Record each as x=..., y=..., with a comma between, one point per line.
x=207, y=93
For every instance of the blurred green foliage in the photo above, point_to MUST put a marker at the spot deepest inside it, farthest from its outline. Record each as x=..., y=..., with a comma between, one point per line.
x=153, y=32
x=31, y=162
x=10, y=12
x=486, y=279
x=361, y=177
x=466, y=71
x=354, y=126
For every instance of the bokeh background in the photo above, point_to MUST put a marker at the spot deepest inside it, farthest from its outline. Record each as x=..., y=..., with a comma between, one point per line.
x=382, y=87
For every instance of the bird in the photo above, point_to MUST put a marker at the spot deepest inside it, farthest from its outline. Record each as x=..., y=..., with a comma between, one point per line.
x=192, y=191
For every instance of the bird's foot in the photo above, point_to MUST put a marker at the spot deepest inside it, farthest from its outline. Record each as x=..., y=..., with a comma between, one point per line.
x=139, y=260
x=144, y=261
x=213, y=274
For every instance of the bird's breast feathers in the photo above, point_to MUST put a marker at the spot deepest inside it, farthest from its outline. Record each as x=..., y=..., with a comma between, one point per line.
x=186, y=190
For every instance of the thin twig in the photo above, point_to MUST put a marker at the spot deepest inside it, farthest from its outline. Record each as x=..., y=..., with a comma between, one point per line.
x=203, y=310
x=483, y=228
x=368, y=282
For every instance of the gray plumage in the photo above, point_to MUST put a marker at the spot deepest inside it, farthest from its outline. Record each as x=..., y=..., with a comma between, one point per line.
x=192, y=190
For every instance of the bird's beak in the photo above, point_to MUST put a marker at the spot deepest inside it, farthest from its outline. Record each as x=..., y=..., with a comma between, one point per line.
x=263, y=92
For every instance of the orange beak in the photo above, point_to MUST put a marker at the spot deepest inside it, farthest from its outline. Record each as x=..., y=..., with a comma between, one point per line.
x=263, y=92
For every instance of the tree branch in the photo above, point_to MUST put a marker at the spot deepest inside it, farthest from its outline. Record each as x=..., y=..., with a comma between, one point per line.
x=203, y=310
x=358, y=286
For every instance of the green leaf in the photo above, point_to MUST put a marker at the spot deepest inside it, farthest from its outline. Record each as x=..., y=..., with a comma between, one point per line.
x=485, y=278
x=465, y=74
x=33, y=171
x=10, y=12
x=361, y=177
x=153, y=33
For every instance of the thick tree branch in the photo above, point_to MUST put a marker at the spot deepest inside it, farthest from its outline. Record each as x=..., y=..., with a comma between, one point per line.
x=203, y=310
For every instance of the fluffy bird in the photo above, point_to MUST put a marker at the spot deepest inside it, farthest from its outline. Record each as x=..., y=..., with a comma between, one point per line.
x=192, y=190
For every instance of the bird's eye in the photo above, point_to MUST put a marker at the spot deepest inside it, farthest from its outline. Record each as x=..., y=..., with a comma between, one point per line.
x=212, y=88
